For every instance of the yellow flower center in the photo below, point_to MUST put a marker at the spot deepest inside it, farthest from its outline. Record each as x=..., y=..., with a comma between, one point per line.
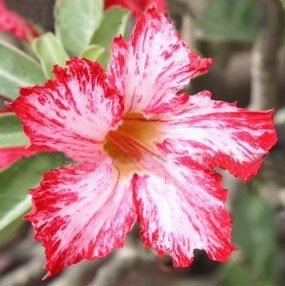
x=131, y=141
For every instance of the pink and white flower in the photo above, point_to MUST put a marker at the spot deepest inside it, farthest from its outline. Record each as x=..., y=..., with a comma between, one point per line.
x=13, y=23
x=142, y=151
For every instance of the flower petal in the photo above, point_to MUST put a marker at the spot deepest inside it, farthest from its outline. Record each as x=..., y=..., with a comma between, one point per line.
x=216, y=133
x=71, y=114
x=180, y=209
x=153, y=66
x=81, y=212
x=136, y=6
x=13, y=23
x=12, y=154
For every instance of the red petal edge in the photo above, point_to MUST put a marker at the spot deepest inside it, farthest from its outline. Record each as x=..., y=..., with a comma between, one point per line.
x=180, y=209
x=153, y=65
x=71, y=114
x=81, y=212
x=216, y=133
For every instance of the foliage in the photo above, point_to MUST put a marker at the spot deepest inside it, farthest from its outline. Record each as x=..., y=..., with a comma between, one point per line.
x=254, y=234
x=76, y=21
x=11, y=133
x=17, y=69
x=114, y=23
x=50, y=52
x=16, y=180
x=229, y=20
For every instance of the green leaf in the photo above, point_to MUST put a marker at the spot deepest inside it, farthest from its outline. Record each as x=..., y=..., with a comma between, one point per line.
x=76, y=22
x=50, y=52
x=229, y=20
x=237, y=271
x=254, y=231
x=236, y=274
x=17, y=179
x=17, y=69
x=255, y=263
x=93, y=52
x=11, y=131
x=114, y=22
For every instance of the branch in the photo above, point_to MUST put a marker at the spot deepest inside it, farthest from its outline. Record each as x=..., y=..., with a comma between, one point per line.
x=123, y=262
x=27, y=272
x=265, y=57
x=75, y=274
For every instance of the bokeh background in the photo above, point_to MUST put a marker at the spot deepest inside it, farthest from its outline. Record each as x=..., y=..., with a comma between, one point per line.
x=246, y=40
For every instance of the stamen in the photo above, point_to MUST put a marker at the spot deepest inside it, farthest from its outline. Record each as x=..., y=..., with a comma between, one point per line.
x=124, y=143
x=132, y=141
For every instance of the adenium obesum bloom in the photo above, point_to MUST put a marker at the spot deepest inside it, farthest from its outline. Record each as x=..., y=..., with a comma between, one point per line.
x=142, y=151
x=136, y=6
x=13, y=23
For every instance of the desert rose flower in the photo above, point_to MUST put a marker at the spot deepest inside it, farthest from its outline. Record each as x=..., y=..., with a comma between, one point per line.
x=136, y=6
x=142, y=151
x=13, y=23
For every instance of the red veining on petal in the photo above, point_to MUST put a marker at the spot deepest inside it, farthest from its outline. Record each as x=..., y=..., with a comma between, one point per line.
x=81, y=212
x=181, y=208
x=153, y=66
x=142, y=148
x=215, y=133
x=72, y=113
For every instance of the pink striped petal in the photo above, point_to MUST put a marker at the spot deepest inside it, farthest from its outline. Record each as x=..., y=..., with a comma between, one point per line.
x=72, y=113
x=16, y=25
x=136, y=6
x=216, y=133
x=153, y=66
x=81, y=212
x=9, y=155
x=180, y=209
